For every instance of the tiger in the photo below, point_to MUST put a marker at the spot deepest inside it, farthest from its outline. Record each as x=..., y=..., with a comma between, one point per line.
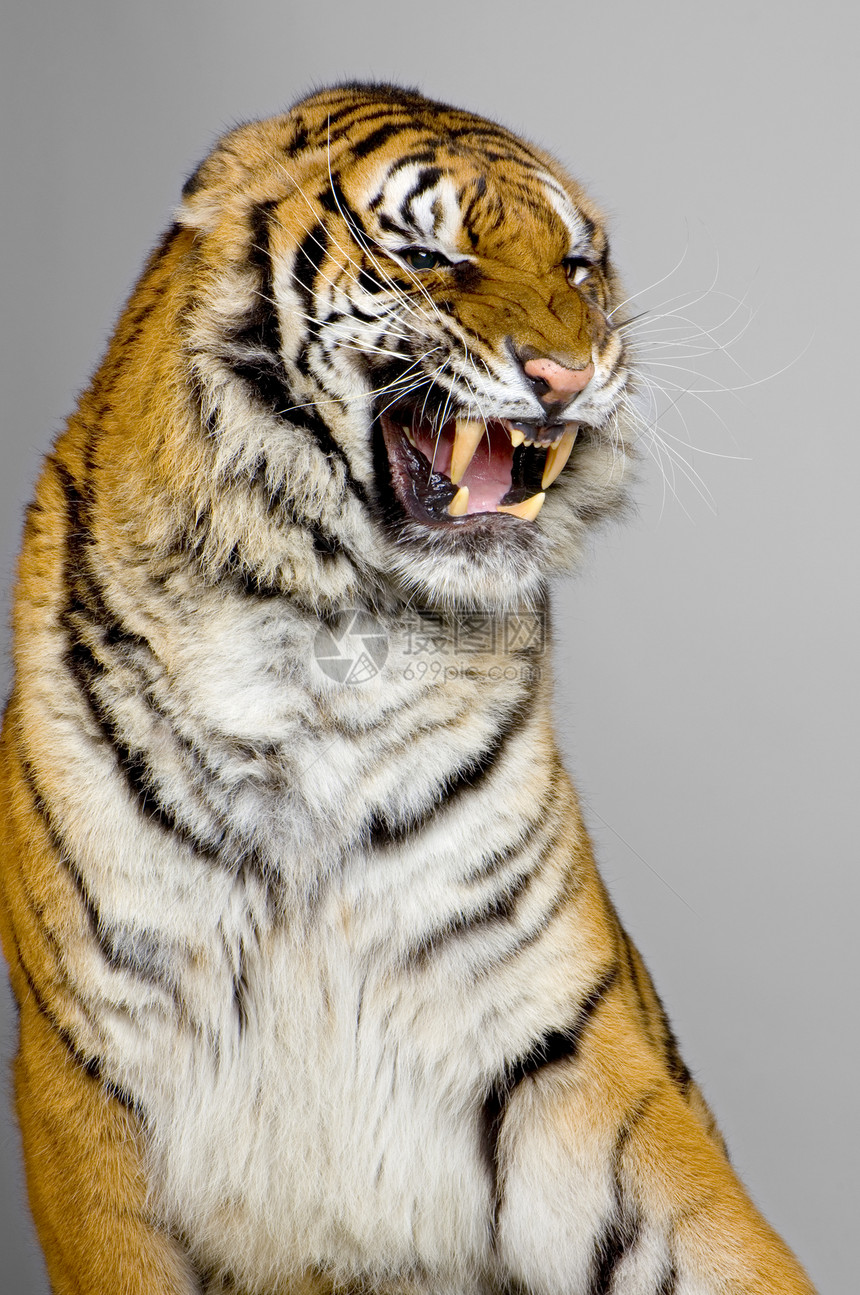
x=319, y=988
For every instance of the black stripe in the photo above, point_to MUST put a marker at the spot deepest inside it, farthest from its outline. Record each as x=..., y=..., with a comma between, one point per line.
x=590, y=227
x=58, y=845
x=554, y=1046
x=84, y=603
x=669, y=1282
x=37, y=799
x=618, y=1236
x=667, y=1043
x=143, y=954
x=336, y=126
x=501, y=154
x=675, y=1062
x=422, y=156
x=497, y=861
x=470, y=778
x=263, y=371
x=252, y=585
x=130, y=328
x=278, y=503
x=479, y=190
x=90, y=1065
x=497, y=912
x=86, y=594
x=139, y=777
x=503, y=910
x=86, y=606
x=380, y=136
x=623, y=1227
x=312, y=422
x=479, y=128
x=567, y=888
x=355, y=312
x=369, y=283
x=636, y=1116
x=310, y=254
x=131, y=761
x=384, y=831
x=557, y=1045
x=240, y=993
x=138, y=952
x=300, y=138
x=335, y=201
x=392, y=226
x=427, y=177
x=265, y=379
x=258, y=333
x=261, y=327
x=162, y=247
x=364, y=94
x=633, y=970
x=194, y=182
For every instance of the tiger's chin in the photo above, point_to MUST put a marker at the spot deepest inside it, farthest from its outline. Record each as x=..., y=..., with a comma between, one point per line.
x=480, y=513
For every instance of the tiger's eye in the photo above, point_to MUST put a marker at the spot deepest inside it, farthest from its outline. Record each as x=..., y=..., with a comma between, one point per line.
x=421, y=259
x=577, y=268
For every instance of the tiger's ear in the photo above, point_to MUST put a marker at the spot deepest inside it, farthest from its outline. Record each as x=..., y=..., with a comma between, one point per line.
x=220, y=176
x=246, y=167
x=240, y=160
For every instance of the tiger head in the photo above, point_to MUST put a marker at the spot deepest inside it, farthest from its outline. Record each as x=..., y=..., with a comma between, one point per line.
x=421, y=309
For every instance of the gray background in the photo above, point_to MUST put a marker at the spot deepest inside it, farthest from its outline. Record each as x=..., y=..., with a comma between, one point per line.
x=707, y=659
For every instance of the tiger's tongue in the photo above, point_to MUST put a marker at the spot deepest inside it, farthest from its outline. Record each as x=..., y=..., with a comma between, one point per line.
x=488, y=476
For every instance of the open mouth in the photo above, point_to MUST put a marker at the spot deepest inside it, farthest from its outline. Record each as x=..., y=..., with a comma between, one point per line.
x=469, y=467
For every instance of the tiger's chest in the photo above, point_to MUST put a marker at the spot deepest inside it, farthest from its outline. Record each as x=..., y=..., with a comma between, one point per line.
x=337, y=1124
x=315, y=1027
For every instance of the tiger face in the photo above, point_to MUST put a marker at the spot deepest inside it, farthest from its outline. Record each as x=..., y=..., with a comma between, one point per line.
x=437, y=298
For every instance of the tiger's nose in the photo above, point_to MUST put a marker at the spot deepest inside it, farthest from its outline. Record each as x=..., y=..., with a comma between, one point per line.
x=552, y=383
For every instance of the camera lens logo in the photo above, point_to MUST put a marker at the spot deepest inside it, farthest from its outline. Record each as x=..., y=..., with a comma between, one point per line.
x=352, y=648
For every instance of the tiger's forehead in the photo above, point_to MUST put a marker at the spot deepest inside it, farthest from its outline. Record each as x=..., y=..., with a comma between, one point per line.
x=462, y=183
x=462, y=201
x=467, y=204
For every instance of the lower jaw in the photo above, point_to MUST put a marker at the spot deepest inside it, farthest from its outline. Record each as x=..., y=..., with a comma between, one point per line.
x=484, y=564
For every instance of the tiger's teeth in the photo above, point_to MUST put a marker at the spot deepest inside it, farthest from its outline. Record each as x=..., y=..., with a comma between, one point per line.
x=467, y=438
x=528, y=509
x=517, y=438
x=460, y=503
x=556, y=457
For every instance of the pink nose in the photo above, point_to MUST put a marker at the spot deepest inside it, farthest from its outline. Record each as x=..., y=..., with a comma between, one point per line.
x=562, y=382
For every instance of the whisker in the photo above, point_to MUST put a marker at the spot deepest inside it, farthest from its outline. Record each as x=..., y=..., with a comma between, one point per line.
x=657, y=282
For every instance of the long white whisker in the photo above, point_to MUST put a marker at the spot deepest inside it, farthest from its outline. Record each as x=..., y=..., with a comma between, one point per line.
x=676, y=457
x=409, y=385
x=657, y=282
x=383, y=319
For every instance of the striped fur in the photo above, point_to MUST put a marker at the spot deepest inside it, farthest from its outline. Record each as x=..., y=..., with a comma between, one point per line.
x=319, y=987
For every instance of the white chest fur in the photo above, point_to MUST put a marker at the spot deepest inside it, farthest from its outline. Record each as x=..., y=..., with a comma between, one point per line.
x=311, y=1067
x=338, y=1126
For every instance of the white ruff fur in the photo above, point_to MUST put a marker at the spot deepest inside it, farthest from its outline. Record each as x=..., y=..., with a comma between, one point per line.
x=333, y=1119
